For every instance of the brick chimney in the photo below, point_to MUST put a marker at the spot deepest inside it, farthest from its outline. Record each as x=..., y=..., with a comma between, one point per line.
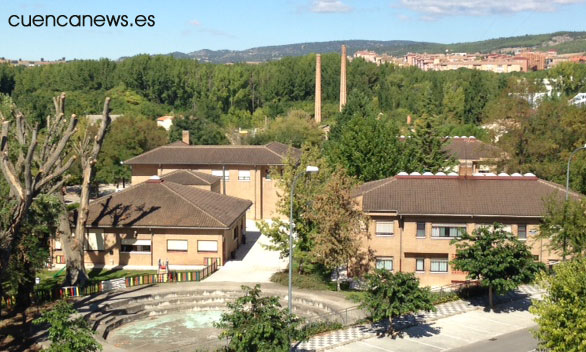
x=185, y=137
x=343, y=78
x=318, y=89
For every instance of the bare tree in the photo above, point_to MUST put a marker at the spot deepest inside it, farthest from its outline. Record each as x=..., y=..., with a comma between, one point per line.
x=32, y=165
x=73, y=242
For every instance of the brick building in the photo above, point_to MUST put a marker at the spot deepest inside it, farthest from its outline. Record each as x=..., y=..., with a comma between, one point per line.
x=159, y=219
x=414, y=217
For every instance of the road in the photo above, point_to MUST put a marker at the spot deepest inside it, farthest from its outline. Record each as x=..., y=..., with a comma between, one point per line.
x=518, y=341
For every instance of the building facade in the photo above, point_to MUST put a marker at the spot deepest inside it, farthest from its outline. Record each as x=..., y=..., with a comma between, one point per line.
x=244, y=170
x=162, y=221
x=413, y=218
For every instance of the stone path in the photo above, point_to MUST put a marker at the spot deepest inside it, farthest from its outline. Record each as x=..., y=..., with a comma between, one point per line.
x=357, y=333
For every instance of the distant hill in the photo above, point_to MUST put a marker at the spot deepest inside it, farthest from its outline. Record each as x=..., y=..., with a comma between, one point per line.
x=563, y=42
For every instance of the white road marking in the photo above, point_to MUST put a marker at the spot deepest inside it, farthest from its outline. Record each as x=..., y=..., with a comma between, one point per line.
x=426, y=344
x=374, y=346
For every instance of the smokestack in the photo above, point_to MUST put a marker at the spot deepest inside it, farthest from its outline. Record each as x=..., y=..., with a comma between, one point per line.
x=343, y=79
x=318, y=89
x=185, y=137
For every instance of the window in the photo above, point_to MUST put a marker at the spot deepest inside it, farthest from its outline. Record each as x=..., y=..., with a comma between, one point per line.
x=57, y=245
x=94, y=240
x=176, y=245
x=419, y=264
x=420, y=230
x=447, y=231
x=439, y=265
x=268, y=175
x=220, y=173
x=522, y=232
x=243, y=175
x=207, y=246
x=131, y=245
x=385, y=263
x=384, y=228
x=236, y=232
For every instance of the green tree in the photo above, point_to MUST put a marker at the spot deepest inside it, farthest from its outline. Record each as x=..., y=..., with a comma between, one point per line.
x=294, y=129
x=201, y=131
x=305, y=190
x=425, y=146
x=340, y=225
x=68, y=334
x=454, y=101
x=368, y=149
x=495, y=257
x=389, y=296
x=128, y=137
x=254, y=323
x=568, y=78
x=564, y=226
x=561, y=312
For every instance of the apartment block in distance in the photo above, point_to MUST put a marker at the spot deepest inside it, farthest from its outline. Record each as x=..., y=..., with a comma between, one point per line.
x=414, y=217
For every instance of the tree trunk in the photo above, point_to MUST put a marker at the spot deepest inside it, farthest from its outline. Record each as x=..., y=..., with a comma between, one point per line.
x=490, y=302
x=74, y=250
x=338, y=279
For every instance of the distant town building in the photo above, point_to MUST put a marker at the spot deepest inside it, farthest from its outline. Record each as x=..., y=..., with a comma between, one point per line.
x=165, y=121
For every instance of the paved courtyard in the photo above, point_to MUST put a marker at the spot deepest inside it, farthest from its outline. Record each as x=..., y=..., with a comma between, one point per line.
x=514, y=305
x=253, y=262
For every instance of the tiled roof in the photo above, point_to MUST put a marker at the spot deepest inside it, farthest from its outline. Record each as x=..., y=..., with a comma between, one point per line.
x=183, y=154
x=516, y=196
x=166, y=204
x=191, y=178
x=471, y=149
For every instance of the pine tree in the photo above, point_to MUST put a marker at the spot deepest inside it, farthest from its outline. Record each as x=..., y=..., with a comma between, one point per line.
x=427, y=147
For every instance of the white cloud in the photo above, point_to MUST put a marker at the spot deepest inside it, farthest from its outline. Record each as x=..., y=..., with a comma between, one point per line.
x=195, y=23
x=442, y=8
x=329, y=6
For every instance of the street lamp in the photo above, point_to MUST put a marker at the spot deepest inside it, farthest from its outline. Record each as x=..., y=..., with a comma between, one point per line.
x=308, y=170
x=568, y=195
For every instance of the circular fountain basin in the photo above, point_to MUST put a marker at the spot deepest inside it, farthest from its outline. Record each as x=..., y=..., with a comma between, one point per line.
x=188, y=330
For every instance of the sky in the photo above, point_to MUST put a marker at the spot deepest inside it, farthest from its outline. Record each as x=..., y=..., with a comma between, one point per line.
x=241, y=24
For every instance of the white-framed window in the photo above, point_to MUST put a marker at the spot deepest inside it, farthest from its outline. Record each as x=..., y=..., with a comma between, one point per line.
x=385, y=228
x=439, y=265
x=384, y=263
x=522, y=231
x=220, y=173
x=420, y=230
x=447, y=230
x=58, y=245
x=176, y=245
x=420, y=264
x=131, y=245
x=243, y=175
x=207, y=246
x=94, y=240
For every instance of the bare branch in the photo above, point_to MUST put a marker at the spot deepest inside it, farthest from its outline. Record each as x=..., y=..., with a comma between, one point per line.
x=56, y=152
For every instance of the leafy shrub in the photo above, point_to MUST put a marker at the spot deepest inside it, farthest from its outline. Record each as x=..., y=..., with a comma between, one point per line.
x=68, y=334
x=319, y=327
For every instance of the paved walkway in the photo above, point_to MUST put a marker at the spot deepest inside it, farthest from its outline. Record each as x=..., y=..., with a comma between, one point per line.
x=363, y=332
x=253, y=262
